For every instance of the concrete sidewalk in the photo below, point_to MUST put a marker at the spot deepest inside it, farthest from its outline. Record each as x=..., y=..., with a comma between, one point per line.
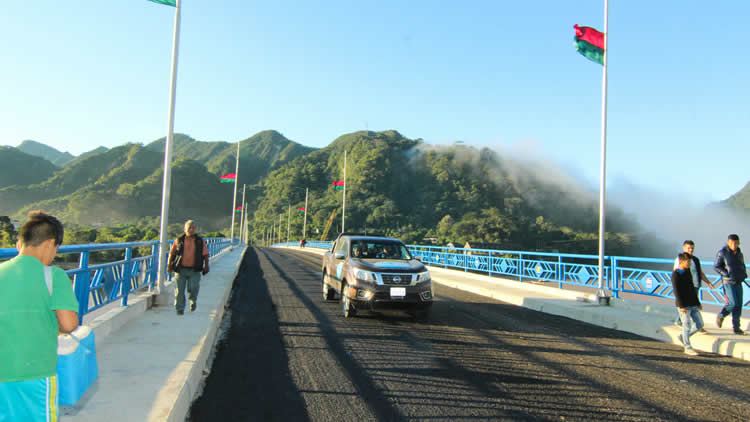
x=647, y=319
x=151, y=367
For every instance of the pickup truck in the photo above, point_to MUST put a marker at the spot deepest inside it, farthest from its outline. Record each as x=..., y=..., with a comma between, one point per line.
x=370, y=272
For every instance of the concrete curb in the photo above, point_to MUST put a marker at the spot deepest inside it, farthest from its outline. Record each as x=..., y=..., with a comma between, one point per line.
x=190, y=372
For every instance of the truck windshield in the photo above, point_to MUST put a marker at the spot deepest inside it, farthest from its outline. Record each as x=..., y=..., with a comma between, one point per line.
x=373, y=249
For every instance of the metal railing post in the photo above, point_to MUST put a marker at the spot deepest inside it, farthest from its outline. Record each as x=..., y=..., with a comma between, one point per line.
x=82, y=282
x=560, y=272
x=489, y=263
x=154, y=266
x=615, y=279
x=127, y=269
x=520, y=267
x=445, y=258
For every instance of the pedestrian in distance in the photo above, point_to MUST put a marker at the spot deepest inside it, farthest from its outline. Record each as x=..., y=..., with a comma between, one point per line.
x=686, y=299
x=188, y=257
x=696, y=271
x=731, y=265
x=36, y=303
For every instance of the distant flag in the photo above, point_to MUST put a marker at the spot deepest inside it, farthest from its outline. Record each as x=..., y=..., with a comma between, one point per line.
x=167, y=2
x=301, y=210
x=338, y=185
x=590, y=43
x=228, y=178
x=238, y=209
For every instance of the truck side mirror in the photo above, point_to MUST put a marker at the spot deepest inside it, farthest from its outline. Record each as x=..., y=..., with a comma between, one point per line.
x=339, y=255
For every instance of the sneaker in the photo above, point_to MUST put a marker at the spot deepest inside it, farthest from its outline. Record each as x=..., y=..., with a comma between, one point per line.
x=192, y=307
x=739, y=331
x=702, y=331
x=719, y=320
x=691, y=352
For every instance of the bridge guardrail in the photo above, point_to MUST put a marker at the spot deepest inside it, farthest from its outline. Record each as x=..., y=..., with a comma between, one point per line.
x=622, y=274
x=97, y=285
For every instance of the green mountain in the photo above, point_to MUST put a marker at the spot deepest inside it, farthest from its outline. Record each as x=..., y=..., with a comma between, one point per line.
x=740, y=201
x=47, y=152
x=21, y=169
x=401, y=187
x=94, y=151
x=259, y=154
x=124, y=184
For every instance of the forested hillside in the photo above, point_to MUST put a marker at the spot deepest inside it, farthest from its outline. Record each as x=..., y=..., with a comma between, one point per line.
x=20, y=168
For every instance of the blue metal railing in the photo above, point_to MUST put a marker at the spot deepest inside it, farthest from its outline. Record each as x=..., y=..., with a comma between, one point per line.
x=643, y=276
x=100, y=284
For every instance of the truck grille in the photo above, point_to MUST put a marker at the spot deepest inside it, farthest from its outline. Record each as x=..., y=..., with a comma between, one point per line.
x=396, y=279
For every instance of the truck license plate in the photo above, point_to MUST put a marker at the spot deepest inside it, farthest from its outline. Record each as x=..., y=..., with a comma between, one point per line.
x=398, y=291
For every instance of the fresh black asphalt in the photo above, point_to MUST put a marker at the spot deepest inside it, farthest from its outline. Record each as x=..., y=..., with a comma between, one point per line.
x=290, y=356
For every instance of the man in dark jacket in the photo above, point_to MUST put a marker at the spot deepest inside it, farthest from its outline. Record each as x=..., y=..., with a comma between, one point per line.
x=731, y=265
x=189, y=259
x=686, y=300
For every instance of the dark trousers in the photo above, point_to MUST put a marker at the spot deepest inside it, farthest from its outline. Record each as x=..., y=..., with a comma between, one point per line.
x=187, y=279
x=733, y=293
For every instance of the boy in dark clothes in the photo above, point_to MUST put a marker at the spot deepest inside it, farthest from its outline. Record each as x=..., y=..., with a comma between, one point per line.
x=687, y=302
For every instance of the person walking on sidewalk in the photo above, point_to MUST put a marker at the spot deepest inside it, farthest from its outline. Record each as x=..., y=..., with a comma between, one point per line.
x=189, y=259
x=32, y=312
x=688, y=247
x=686, y=299
x=731, y=265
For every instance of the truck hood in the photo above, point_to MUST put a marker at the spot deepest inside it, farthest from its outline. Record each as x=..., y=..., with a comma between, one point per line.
x=389, y=266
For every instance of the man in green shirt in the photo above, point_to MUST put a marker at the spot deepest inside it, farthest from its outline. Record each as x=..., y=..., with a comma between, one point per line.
x=31, y=315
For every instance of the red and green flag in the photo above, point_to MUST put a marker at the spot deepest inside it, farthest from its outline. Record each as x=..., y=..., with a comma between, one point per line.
x=338, y=185
x=238, y=209
x=167, y=2
x=228, y=178
x=301, y=210
x=590, y=43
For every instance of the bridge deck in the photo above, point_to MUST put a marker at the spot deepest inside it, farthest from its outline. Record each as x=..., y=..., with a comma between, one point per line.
x=289, y=356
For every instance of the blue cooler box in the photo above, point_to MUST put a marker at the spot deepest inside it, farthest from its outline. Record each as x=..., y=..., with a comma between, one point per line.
x=76, y=364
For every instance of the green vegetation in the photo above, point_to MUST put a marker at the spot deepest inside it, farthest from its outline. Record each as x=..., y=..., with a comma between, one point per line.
x=48, y=153
x=395, y=185
x=22, y=169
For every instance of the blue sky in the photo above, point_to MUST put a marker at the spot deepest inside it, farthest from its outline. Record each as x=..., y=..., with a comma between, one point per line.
x=79, y=74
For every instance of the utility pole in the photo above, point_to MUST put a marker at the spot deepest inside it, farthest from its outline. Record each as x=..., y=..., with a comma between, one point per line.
x=234, y=194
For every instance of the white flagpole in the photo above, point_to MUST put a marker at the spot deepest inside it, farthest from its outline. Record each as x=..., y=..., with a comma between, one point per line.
x=603, y=158
x=242, y=214
x=234, y=196
x=288, y=221
x=168, y=156
x=343, y=206
x=304, y=219
x=280, y=217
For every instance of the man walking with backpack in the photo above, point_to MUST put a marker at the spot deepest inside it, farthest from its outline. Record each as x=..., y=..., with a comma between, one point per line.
x=189, y=259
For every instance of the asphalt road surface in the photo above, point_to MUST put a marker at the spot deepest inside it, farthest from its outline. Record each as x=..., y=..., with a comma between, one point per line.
x=290, y=356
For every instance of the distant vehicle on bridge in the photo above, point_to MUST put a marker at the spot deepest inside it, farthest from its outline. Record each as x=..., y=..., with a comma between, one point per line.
x=371, y=272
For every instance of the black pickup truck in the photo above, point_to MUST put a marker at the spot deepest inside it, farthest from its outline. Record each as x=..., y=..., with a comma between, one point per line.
x=374, y=272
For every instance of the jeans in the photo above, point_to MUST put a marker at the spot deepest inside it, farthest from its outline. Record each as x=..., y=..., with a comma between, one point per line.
x=679, y=317
x=733, y=293
x=694, y=314
x=190, y=279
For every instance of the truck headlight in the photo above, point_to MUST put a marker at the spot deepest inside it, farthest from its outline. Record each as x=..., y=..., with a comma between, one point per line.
x=423, y=277
x=367, y=276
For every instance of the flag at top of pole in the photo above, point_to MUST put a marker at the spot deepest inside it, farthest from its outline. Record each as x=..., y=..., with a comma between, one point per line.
x=167, y=2
x=590, y=43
